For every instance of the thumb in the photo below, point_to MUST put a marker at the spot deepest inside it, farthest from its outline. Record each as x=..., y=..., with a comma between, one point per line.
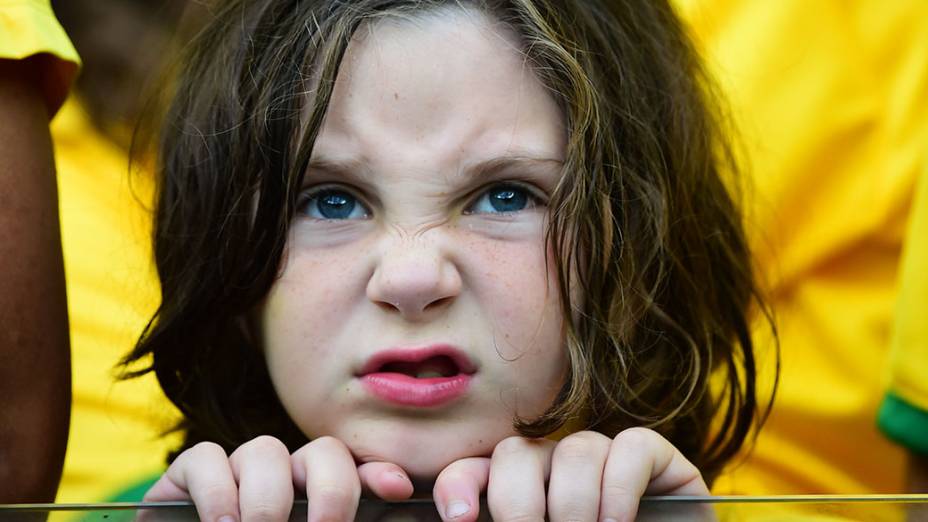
x=458, y=487
x=387, y=481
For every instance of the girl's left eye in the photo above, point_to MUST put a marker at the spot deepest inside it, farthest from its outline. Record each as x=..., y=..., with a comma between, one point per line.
x=503, y=199
x=333, y=204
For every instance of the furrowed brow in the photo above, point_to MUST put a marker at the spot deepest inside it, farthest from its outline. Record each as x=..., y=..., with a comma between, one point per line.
x=337, y=166
x=496, y=166
x=349, y=167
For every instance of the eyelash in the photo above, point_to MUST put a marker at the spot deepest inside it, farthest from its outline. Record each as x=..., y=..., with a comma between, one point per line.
x=533, y=198
x=308, y=196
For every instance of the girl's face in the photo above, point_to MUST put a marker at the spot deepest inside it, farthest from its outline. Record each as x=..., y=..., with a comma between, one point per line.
x=415, y=316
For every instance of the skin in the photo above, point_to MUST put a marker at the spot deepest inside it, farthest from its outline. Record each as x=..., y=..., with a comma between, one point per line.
x=35, y=377
x=430, y=263
x=425, y=258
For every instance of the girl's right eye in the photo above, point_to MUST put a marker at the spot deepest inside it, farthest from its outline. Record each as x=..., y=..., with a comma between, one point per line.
x=332, y=204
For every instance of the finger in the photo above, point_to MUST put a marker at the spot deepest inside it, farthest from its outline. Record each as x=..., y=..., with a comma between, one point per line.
x=330, y=476
x=387, y=481
x=265, y=483
x=576, y=476
x=458, y=487
x=202, y=473
x=519, y=469
x=641, y=461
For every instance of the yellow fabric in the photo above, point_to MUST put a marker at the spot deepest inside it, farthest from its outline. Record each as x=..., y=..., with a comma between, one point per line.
x=909, y=369
x=831, y=100
x=112, y=291
x=28, y=28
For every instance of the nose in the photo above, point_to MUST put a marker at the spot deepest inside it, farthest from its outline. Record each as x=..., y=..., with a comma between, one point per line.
x=414, y=277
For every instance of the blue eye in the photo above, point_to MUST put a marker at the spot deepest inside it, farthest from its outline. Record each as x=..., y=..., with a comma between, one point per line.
x=506, y=198
x=333, y=204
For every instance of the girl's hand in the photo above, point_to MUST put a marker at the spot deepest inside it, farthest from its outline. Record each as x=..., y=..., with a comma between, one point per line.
x=256, y=483
x=588, y=477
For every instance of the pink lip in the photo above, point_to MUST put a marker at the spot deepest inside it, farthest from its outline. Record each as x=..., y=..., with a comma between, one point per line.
x=405, y=390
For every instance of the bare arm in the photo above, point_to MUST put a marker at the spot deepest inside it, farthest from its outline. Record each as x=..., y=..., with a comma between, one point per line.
x=35, y=366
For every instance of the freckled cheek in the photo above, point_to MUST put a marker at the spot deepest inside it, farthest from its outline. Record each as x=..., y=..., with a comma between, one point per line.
x=303, y=307
x=520, y=296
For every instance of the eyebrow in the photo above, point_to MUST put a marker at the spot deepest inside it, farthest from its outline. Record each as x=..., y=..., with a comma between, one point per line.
x=493, y=166
x=354, y=167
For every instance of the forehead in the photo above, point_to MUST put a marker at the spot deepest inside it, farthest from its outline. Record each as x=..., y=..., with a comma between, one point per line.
x=438, y=90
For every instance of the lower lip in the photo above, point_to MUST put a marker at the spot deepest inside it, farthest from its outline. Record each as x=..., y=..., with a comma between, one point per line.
x=403, y=390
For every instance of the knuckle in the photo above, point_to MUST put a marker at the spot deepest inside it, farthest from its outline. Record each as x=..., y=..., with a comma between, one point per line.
x=217, y=492
x=326, y=443
x=208, y=449
x=520, y=517
x=582, y=445
x=332, y=503
x=636, y=437
x=573, y=512
x=576, y=505
x=266, y=511
x=513, y=446
x=334, y=495
x=619, y=492
x=264, y=445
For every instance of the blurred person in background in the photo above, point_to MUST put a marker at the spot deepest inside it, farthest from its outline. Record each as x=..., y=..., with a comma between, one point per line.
x=831, y=103
x=904, y=412
x=37, y=66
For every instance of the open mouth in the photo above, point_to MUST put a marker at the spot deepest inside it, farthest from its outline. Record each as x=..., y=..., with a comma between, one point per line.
x=426, y=377
x=421, y=363
x=437, y=366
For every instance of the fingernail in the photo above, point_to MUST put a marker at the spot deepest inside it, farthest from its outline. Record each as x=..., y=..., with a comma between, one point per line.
x=609, y=520
x=457, y=508
x=226, y=518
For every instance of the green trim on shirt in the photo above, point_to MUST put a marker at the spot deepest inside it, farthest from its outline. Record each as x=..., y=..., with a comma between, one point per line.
x=904, y=423
x=135, y=492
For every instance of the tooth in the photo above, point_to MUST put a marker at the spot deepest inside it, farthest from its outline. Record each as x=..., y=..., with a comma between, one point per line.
x=428, y=374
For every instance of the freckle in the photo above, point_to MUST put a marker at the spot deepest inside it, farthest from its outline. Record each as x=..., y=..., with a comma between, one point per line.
x=396, y=96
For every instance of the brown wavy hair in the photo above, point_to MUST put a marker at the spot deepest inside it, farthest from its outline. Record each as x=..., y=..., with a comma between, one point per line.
x=643, y=225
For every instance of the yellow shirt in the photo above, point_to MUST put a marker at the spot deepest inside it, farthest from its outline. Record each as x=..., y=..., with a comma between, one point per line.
x=115, y=439
x=904, y=413
x=28, y=28
x=831, y=101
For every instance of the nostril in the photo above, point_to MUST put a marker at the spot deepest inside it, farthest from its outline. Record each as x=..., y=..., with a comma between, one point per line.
x=439, y=303
x=387, y=307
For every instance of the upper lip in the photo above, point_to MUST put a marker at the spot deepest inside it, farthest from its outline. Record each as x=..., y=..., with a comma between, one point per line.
x=418, y=354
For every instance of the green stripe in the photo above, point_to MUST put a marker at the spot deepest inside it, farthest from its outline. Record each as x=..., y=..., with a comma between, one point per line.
x=904, y=423
x=135, y=492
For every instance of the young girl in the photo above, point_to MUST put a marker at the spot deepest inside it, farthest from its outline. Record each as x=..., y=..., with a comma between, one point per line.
x=401, y=242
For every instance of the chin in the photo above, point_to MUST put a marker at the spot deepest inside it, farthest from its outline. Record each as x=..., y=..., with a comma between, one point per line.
x=424, y=468
x=424, y=453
